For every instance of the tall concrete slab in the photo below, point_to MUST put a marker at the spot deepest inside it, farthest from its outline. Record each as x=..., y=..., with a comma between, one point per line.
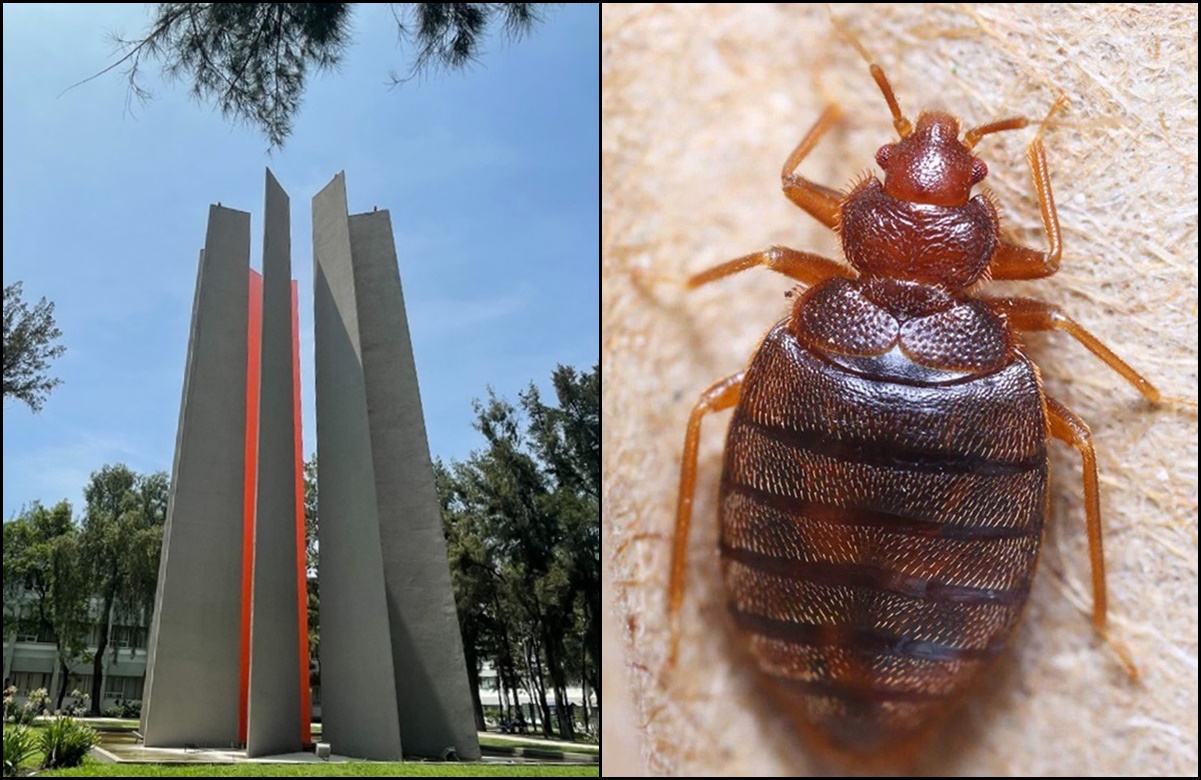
x=275, y=721
x=427, y=651
x=228, y=654
x=192, y=674
x=358, y=687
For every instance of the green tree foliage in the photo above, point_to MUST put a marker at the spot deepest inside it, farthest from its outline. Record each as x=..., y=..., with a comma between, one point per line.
x=29, y=348
x=45, y=588
x=471, y=579
x=310, y=513
x=567, y=438
x=449, y=35
x=311, y=557
x=121, y=541
x=523, y=532
x=252, y=59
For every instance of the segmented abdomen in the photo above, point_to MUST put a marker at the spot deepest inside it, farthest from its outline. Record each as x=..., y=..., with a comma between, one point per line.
x=878, y=538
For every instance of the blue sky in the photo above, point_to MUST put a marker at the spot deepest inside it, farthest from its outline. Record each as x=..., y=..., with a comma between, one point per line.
x=491, y=176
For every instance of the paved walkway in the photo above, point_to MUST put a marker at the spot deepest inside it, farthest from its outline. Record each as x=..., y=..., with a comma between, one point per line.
x=126, y=747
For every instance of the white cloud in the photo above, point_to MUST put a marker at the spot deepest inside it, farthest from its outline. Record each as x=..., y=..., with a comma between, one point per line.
x=62, y=470
x=444, y=316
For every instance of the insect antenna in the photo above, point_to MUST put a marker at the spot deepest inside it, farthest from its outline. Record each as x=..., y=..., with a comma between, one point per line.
x=973, y=136
x=904, y=129
x=903, y=126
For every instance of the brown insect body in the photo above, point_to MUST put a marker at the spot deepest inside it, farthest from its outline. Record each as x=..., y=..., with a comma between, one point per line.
x=884, y=488
x=885, y=479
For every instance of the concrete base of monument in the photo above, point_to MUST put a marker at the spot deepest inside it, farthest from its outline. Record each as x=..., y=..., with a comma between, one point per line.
x=126, y=747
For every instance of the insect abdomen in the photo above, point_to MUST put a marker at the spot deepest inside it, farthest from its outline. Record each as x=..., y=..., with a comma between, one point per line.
x=878, y=538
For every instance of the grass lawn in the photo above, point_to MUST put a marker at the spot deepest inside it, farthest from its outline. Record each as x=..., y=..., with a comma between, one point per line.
x=93, y=768
x=352, y=769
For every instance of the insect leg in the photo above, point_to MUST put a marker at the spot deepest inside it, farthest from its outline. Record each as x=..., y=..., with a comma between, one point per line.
x=722, y=395
x=1066, y=426
x=805, y=267
x=1033, y=314
x=1014, y=261
x=817, y=199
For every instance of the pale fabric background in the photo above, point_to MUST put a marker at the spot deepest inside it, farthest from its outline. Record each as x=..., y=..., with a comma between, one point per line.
x=701, y=106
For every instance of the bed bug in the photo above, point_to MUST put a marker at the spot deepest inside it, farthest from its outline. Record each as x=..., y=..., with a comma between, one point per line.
x=884, y=486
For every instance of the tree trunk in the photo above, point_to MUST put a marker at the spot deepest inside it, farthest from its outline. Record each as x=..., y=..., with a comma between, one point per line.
x=101, y=646
x=595, y=682
x=507, y=681
x=584, y=688
x=473, y=680
x=514, y=704
x=64, y=680
x=532, y=679
x=509, y=676
x=502, y=693
x=540, y=687
x=554, y=663
x=502, y=697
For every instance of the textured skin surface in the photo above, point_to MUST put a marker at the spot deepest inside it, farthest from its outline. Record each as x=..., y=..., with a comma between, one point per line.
x=932, y=243
x=937, y=334
x=930, y=165
x=885, y=483
x=879, y=536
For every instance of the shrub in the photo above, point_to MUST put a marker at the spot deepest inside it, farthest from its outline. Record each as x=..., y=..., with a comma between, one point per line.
x=10, y=704
x=66, y=742
x=38, y=703
x=80, y=707
x=19, y=746
x=124, y=709
x=23, y=716
x=35, y=704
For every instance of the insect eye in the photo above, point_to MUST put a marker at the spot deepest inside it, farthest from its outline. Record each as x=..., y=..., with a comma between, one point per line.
x=884, y=155
x=979, y=171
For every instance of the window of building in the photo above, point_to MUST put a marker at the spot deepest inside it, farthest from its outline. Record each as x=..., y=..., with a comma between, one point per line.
x=29, y=681
x=30, y=631
x=125, y=688
x=129, y=636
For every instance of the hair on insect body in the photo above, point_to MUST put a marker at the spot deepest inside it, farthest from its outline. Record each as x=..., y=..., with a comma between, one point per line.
x=885, y=484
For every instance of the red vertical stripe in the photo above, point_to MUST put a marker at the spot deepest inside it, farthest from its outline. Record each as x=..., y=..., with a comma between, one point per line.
x=253, y=345
x=302, y=598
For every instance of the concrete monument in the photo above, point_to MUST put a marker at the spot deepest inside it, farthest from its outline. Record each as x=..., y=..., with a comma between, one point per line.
x=390, y=642
x=228, y=660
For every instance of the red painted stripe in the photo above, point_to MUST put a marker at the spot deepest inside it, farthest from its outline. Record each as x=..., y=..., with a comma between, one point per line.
x=253, y=346
x=302, y=599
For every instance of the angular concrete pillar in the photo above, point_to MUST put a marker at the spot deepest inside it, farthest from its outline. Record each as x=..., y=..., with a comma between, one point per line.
x=427, y=647
x=384, y=575
x=359, y=715
x=275, y=720
x=192, y=674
